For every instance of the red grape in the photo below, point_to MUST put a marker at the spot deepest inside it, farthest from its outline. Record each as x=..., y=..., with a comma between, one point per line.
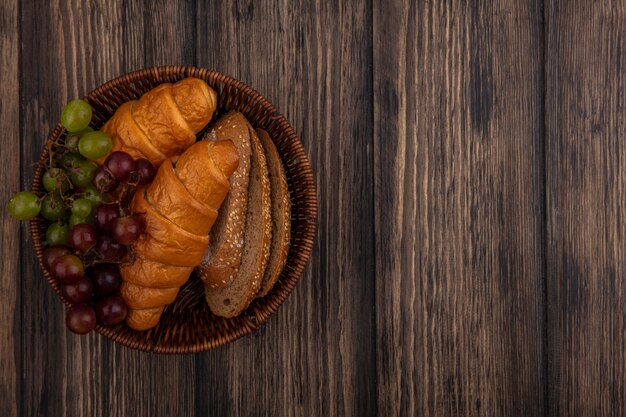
x=52, y=253
x=127, y=229
x=68, y=269
x=80, y=292
x=146, y=171
x=81, y=319
x=103, y=180
x=109, y=248
x=120, y=165
x=104, y=216
x=106, y=278
x=111, y=310
x=83, y=237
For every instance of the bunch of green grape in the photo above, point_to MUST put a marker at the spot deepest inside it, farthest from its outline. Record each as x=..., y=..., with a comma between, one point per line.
x=75, y=171
x=88, y=233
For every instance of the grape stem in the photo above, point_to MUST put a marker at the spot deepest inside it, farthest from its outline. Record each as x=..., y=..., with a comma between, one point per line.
x=92, y=257
x=56, y=150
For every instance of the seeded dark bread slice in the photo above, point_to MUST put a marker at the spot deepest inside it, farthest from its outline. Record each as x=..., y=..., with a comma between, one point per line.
x=223, y=257
x=232, y=300
x=281, y=214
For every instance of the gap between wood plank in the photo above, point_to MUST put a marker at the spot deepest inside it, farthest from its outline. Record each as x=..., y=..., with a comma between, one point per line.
x=546, y=343
x=373, y=320
x=18, y=336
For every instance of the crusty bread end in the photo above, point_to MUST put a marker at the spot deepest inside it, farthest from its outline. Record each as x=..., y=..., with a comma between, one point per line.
x=230, y=301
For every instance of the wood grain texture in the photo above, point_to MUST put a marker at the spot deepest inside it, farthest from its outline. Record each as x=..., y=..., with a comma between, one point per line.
x=313, y=61
x=458, y=157
x=469, y=167
x=69, y=48
x=10, y=180
x=586, y=191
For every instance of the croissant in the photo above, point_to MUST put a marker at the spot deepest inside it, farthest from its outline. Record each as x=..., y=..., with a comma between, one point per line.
x=179, y=208
x=163, y=122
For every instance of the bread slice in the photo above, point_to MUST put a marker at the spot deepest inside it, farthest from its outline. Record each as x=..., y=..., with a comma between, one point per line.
x=222, y=259
x=232, y=300
x=281, y=214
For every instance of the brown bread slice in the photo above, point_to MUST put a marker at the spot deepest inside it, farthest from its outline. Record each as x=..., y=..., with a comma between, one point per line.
x=223, y=257
x=281, y=214
x=234, y=299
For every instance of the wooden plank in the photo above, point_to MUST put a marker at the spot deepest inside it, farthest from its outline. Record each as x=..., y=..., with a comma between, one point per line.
x=70, y=47
x=10, y=180
x=313, y=61
x=586, y=190
x=458, y=177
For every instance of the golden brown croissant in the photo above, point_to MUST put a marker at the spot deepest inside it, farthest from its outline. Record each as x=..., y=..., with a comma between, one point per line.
x=179, y=209
x=163, y=122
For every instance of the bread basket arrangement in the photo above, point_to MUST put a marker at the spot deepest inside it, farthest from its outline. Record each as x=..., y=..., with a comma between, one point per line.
x=171, y=308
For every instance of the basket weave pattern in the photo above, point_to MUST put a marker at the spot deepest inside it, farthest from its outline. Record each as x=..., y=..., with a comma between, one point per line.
x=187, y=325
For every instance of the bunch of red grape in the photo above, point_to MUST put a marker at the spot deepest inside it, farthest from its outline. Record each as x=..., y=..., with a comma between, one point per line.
x=91, y=227
x=91, y=291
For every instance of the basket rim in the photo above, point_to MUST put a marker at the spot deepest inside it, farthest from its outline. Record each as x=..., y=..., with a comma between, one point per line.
x=250, y=322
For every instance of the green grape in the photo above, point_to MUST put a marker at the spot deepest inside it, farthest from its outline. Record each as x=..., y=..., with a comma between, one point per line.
x=55, y=180
x=81, y=207
x=53, y=207
x=74, y=220
x=76, y=115
x=57, y=234
x=95, y=145
x=82, y=174
x=24, y=205
x=93, y=195
x=71, y=140
x=69, y=159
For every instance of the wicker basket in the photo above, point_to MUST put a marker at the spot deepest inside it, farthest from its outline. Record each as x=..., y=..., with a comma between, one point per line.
x=187, y=325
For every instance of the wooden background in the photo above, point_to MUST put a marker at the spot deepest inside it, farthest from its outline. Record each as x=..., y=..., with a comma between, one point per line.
x=469, y=158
